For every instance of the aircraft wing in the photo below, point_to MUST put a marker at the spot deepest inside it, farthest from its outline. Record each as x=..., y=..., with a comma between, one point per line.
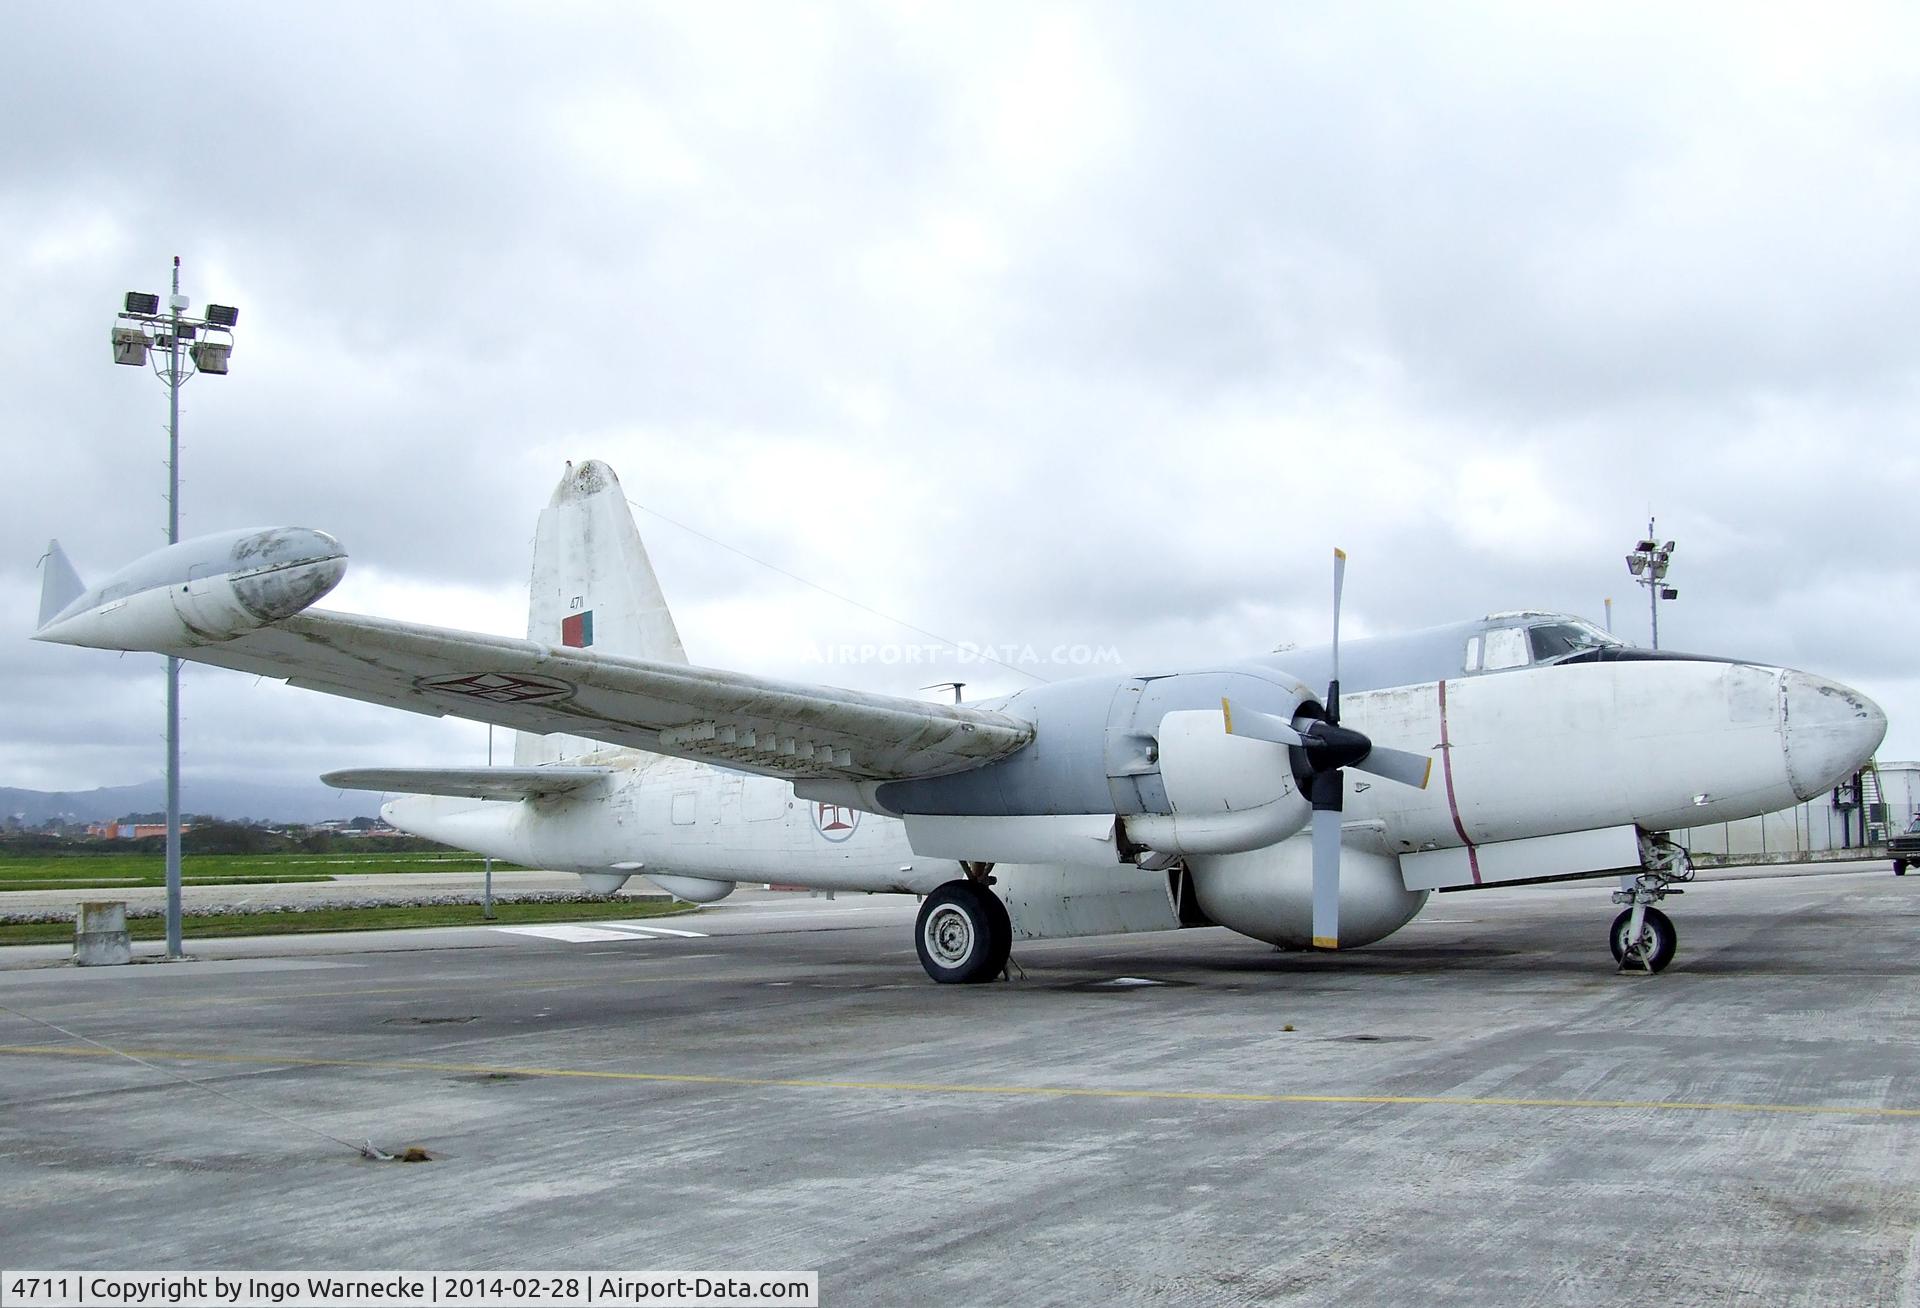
x=776, y=728
x=470, y=783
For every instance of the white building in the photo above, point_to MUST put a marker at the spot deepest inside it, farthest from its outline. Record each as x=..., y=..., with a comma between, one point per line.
x=1830, y=822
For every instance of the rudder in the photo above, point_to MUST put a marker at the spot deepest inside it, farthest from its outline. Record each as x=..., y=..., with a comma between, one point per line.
x=592, y=588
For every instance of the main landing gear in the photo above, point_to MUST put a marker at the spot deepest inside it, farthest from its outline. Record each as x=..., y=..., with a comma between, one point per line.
x=1642, y=937
x=964, y=934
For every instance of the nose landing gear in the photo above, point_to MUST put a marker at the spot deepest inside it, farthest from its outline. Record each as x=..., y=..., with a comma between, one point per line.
x=1642, y=937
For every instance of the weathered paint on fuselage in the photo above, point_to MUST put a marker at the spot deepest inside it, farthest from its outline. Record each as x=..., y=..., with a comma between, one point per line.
x=1575, y=747
x=1657, y=743
x=677, y=817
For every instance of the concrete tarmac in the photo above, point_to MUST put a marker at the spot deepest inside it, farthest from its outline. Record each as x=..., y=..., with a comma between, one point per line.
x=1478, y=1110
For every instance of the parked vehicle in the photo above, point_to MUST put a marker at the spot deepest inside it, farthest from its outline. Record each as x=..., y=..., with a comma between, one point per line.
x=1906, y=848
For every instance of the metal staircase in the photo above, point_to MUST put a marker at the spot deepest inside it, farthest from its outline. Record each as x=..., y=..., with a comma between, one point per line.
x=1873, y=806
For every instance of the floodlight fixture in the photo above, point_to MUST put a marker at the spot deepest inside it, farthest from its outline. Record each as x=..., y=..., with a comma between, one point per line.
x=222, y=315
x=1646, y=547
x=1667, y=548
x=211, y=357
x=1668, y=592
x=130, y=346
x=142, y=302
x=1636, y=563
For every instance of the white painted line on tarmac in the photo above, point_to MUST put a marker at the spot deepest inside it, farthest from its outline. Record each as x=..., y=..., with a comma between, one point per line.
x=803, y=907
x=653, y=930
x=600, y=932
x=573, y=935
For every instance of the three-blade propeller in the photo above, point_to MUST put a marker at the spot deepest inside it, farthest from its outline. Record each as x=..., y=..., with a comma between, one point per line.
x=1329, y=748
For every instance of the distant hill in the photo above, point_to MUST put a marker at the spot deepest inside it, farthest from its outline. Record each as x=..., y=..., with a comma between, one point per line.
x=233, y=800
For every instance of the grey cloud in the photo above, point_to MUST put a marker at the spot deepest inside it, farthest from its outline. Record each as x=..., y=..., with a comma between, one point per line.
x=1466, y=291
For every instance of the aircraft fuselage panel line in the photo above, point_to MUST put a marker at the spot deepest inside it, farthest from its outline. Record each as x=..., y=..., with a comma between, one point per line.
x=1453, y=799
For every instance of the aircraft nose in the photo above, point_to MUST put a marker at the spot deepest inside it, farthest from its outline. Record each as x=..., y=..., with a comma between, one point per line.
x=1827, y=731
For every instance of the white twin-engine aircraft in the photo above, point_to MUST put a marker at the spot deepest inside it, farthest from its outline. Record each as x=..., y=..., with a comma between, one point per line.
x=1523, y=747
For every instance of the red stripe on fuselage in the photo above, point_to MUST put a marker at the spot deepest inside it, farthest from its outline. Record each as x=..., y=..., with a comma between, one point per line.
x=1453, y=804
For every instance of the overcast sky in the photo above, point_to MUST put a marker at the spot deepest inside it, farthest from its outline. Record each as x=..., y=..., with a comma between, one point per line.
x=1032, y=325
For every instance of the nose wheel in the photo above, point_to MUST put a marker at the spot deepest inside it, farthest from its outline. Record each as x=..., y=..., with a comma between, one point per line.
x=963, y=934
x=1642, y=938
x=1651, y=948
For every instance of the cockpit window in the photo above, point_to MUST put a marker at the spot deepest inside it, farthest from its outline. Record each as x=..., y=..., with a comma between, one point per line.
x=1553, y=641
x=1506, y=647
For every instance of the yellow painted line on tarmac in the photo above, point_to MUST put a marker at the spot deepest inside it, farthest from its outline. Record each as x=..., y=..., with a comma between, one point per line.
x=961, y=1088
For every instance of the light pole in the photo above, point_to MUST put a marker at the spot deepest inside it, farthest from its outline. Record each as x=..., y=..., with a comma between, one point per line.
x=1648, y=564
x=486, y=883
x=143, y=332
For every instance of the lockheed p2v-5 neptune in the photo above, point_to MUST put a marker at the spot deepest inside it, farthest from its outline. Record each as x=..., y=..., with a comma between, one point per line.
x=1288, y=797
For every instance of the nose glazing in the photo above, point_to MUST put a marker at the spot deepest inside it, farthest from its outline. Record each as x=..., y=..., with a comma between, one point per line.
x=1827, y=731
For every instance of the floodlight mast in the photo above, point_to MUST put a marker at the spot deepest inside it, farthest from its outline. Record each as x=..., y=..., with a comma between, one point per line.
x=174, y=304
x=1648, y=565
x=134, y=345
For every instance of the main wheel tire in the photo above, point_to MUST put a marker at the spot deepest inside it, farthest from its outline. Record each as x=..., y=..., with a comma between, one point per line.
x=1657, y=943
x=1899, y=867
x=1002, y=930
x=963, y=934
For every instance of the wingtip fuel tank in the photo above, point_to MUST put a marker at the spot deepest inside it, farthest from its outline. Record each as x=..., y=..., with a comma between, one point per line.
x=198, y=592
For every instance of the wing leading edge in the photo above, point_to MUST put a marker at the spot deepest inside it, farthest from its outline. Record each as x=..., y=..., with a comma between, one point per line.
x=776, y=728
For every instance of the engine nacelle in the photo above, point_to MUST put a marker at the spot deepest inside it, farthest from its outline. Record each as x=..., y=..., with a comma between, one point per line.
x=1151, y=751
x=1268, y=894
x=1226, y=793
x=203, y=591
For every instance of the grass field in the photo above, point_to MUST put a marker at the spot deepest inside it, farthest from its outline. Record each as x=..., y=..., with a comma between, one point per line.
x=119, y=871
x=352, y=919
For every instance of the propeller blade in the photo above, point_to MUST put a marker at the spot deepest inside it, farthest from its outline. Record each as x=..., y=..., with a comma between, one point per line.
x=1326, y=878
x=1255, y=725
x=1408, y=768
x=1339, y=585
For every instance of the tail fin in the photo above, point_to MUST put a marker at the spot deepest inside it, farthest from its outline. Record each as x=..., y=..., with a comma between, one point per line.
x=60, y=585
x=592, y=587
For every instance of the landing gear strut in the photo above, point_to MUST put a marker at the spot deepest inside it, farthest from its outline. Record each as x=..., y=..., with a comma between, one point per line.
x=963, y=934
x=1642, y=937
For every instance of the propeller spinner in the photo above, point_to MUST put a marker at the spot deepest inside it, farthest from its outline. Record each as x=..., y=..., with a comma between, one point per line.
x=1329, y=748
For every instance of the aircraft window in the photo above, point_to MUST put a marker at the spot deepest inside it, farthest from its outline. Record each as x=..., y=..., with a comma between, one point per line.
x=1506, y=648
x=1472, y=663
x=1555, y=640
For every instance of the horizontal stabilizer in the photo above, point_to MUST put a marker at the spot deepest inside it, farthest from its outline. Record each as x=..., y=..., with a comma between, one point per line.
x=60, y=585
x=469, y=783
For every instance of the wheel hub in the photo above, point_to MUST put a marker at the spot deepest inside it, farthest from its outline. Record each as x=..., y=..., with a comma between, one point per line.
x=1637, y=950
x=950, y=936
